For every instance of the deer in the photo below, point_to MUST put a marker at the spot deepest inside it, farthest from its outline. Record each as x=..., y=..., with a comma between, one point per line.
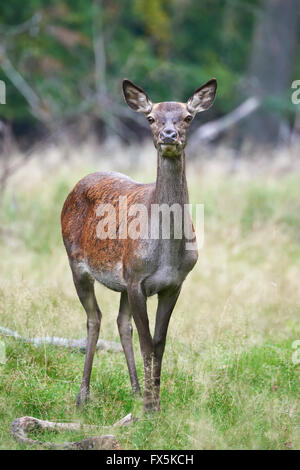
x=136, y=267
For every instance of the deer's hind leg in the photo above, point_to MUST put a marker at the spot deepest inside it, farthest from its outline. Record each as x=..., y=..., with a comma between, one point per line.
x=125, y=331
x=166, y=303
x=84, y=284
x=138, y=307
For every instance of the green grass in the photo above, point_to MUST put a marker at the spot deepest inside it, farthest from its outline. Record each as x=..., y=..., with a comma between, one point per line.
x=228, y=379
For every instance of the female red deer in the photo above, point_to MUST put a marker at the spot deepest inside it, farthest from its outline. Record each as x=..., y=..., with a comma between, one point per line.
x=137, y=267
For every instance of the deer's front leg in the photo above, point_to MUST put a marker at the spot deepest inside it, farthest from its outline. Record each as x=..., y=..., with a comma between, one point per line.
x=166, y=303
x=138, y=306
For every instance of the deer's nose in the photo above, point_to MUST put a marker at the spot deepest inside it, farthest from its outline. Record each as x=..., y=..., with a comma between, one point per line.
x=168, y=135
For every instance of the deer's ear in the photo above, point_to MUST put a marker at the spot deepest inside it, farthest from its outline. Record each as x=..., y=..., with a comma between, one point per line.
x=203, y=98
x=136, y=98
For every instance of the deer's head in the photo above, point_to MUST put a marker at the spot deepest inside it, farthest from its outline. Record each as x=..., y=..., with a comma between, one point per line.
x=170, y=120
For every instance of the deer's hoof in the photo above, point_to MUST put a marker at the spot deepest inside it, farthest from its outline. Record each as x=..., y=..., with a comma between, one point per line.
x=136, y=392
x=82, y=398
x=151, y=407
x=156, y=407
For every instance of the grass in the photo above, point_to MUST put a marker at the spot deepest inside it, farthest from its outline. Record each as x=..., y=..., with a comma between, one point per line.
x=228, y=378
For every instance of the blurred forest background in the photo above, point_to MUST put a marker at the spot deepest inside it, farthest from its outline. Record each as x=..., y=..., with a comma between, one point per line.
x=229, y=380
x=63, y=62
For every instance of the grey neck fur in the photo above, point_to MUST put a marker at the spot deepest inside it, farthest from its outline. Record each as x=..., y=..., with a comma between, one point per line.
x=171, y=185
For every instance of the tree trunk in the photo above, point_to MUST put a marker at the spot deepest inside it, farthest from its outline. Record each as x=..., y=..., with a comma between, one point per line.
x=270, y=69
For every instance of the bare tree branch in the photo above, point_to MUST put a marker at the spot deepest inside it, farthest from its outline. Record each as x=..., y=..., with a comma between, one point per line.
x=24, y=88
x=213, y=129
x=32, y=24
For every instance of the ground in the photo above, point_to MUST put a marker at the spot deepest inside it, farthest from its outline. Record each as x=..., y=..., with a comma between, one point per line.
x=228, y=381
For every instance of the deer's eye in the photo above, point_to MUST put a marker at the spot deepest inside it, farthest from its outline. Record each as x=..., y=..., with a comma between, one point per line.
x=150, y=119
x=188, y=118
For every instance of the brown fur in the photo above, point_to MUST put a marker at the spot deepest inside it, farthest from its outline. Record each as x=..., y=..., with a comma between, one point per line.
x=79, y=220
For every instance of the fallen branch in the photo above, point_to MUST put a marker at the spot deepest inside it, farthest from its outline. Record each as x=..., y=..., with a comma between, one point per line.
x=79, y=344
x=21, y=426
x=213, y=129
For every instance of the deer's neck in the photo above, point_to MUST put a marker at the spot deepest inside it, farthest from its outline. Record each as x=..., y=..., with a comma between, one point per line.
x=171, y=186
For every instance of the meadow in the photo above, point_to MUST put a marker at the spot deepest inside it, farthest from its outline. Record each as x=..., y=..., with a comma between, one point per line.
x=228, y=379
